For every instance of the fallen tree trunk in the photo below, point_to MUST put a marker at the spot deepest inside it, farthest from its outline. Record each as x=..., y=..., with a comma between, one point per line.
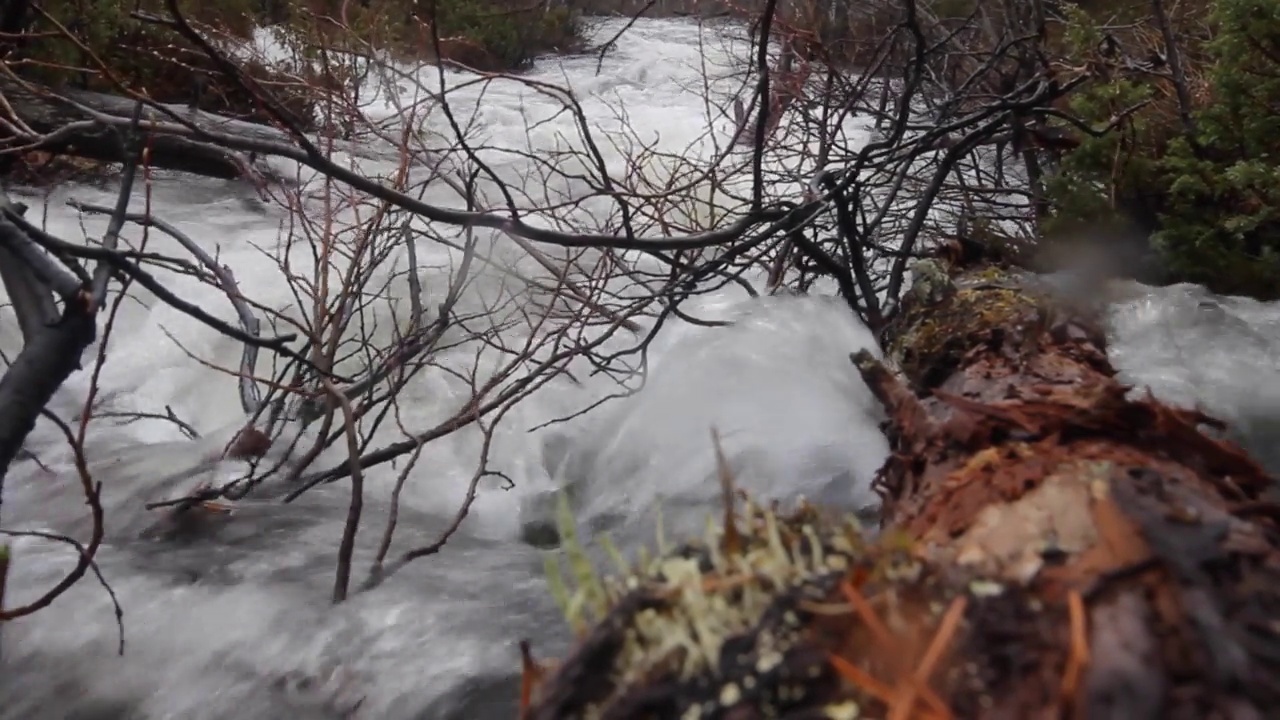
x=1051, y=548
x=57, y=122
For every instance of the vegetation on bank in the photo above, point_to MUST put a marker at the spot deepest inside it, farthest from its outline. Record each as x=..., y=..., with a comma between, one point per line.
x=1196, y=167
x=1192, y=168
x=1189, y=166
x=102, y=44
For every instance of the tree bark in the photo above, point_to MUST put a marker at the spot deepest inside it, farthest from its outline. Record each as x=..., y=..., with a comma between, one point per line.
x=32, y=302
x=64, y=128
x=1051, y=547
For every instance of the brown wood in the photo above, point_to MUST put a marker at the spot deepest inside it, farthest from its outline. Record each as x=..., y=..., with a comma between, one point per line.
x=1051, y=548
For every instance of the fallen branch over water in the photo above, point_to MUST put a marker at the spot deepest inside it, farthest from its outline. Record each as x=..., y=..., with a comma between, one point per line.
x=70, y=122
x=1051, y=548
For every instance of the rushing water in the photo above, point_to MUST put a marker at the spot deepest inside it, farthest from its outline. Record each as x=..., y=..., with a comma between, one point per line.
x=238, y=625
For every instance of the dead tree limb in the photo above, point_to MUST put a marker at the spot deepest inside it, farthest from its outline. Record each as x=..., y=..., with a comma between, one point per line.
x=33, y=303
x=46, y=360
x=42, y=119
x=52, y=352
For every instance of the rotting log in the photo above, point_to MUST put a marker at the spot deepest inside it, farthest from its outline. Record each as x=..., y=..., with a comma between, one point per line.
x=61, y=126
x=1052, y=546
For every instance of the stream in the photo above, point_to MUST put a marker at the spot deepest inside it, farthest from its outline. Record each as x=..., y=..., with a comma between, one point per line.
x=238, y=624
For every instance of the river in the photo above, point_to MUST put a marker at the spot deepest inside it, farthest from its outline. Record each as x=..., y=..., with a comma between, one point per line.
x=239, y=625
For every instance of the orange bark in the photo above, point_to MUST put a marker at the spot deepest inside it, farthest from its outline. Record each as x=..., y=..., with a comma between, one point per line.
x=1051, y=548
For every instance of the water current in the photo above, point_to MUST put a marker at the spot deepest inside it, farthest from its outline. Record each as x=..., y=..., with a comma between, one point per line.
x=239, y=625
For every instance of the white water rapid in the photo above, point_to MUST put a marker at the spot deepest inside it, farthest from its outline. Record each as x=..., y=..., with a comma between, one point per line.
x=239, y=625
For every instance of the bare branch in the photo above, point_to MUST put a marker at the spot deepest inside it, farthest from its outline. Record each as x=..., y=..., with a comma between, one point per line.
x=250, y=397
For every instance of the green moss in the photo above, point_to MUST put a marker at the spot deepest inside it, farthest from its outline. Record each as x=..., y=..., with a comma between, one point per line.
x=934, y=333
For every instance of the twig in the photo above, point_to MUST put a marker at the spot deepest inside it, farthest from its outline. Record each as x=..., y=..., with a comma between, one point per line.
x=346, y=548
x=169, y=416
x=377, y=573
x=85, y=557
x=111, y=239
x=5, y=555
x=250, y=396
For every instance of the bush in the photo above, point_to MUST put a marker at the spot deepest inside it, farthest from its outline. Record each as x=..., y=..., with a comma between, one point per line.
x=483, y=34
x=1210, y=201
x=1110, y=175
x=1222, y=224
x=149, y=58
x=507, y=39
x=154, y=59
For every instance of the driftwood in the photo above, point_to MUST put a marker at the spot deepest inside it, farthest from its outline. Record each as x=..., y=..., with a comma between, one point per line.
x=1052, y=547
x=64, y=123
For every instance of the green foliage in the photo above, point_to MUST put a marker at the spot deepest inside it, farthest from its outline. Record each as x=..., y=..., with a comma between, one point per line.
x=1104, y=168
x=511, y=38
x=1222, y=225
x=487, y=35
x=104, y=26
x=99, y=45
x=1214, y=197
x=1109, y=167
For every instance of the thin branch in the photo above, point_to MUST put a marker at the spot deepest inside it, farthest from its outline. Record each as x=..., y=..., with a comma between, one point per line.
x=110, y=240
x=250, y=396
x=346, y=548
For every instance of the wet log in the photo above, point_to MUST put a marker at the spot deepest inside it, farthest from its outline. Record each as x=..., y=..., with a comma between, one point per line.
x=1053, y=545
x=57, y=122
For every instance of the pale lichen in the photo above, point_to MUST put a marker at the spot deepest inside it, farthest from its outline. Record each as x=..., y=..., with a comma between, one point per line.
x=713, y=595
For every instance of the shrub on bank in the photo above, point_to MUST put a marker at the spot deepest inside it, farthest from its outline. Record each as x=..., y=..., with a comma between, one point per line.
x=506, y=39
x=485, y=35
x=1204, y=195
x=1210, y=195
x=98, y=45
x=70, y=43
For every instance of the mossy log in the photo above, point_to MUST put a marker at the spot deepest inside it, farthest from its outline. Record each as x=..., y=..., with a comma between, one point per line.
x=1051, y=547
x=56, y=122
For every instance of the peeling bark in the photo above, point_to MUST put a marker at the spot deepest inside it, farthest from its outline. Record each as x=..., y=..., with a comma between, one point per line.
x=1025, y=460
x=1051, y=547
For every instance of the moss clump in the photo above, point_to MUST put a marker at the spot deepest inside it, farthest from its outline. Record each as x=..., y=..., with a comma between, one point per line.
x=941, y=319
x=703, y=579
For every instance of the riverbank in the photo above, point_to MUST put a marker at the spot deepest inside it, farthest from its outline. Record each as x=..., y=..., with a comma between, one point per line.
x=113, y=47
